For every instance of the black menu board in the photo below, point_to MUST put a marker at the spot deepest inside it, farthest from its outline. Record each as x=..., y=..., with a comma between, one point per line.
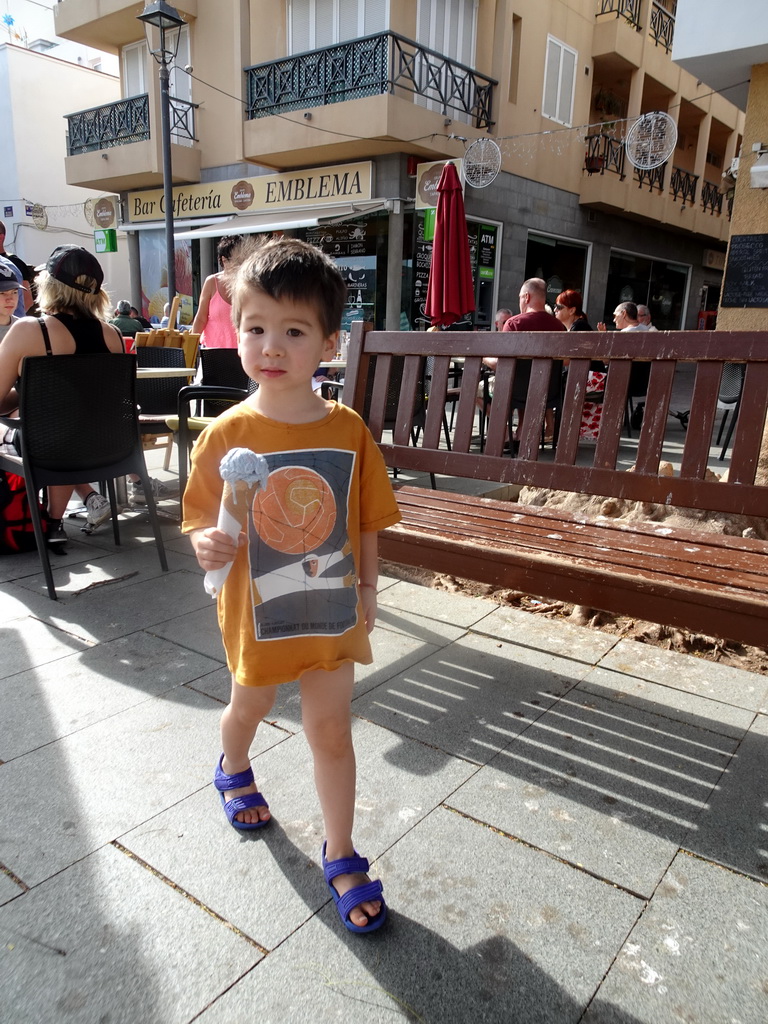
x=746, y=273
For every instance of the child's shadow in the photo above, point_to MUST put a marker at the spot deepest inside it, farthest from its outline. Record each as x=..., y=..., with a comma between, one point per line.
x=422, y=976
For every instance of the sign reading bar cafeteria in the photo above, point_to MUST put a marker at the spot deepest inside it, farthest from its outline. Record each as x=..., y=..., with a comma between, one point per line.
x=316, y=186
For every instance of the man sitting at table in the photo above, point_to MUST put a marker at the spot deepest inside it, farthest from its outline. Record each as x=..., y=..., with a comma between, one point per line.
x=532, y=317
x=123, y=320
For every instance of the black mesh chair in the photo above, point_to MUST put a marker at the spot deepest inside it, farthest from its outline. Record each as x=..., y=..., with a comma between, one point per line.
x=728, y=399
x=221, y=368
x=156, y=397
x=78, y=424
x=189, y=426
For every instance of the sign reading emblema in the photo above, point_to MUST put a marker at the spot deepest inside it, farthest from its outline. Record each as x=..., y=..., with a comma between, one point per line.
x=295, y=189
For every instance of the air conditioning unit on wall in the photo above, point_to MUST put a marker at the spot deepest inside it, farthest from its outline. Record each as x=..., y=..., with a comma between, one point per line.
x=730, y=176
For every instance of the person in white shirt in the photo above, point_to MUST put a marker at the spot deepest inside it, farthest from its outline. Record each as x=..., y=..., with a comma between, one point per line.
x=644, y=317
x=625, y=318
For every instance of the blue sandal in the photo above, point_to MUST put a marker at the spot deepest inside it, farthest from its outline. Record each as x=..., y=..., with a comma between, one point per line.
x=360, y=894
x=223, y=782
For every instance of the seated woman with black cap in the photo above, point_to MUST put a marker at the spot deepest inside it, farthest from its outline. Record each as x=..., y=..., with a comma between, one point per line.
x=75, y=309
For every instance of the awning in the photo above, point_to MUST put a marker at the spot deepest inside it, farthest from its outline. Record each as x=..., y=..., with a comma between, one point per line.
x=159, y=225
x=285, y=220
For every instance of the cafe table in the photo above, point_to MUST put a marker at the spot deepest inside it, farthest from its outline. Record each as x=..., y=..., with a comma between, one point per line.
x=146, y=372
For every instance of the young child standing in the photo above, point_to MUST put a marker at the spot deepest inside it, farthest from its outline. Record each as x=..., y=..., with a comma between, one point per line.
x=300, y=599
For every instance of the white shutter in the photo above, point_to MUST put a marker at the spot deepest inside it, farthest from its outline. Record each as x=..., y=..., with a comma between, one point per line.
x=567, y=75
x=326, y=25
x=300, y=34
x=375, y=16
x=134, y=69
x=551, y=79
x=180, y=84
x=559, y=81
x=447, y=26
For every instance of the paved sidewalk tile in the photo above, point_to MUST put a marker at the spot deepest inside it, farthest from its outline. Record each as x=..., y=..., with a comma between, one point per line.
x=27, y=643
x=8, y=888
x=65, y=696
x=198, y=630
x=106, y=571
x=472, y=698
x=694, y=675
x=269, y=881
x=108, y=941
x=603, y=785
x=480, y=929
x=65, y=800
x=734, y=829
x=697, y=954
x=678, y=705
x=420, y=627
x=544, y=634
x=443, y=605
x=129, y=608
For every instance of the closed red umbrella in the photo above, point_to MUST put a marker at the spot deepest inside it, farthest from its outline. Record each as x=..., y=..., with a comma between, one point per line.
x=450, y=291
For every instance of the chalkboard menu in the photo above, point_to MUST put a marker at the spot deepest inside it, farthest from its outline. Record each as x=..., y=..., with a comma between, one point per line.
x=746, y=273
x=352, y=244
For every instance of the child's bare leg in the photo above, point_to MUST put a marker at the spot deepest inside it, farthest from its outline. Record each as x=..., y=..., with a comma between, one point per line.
x=247, y=707
x=325, y=711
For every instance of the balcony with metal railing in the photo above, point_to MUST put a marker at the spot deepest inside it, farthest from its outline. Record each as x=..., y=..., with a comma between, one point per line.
x=662, y=24
x=375, y=65
x=125, y=122
x=627, y=9
x=133, y=125
x=711, y=197
x=657, y=194
x=683, y=185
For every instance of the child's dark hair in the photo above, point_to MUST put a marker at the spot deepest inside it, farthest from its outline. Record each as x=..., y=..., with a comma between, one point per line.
x=285, y=268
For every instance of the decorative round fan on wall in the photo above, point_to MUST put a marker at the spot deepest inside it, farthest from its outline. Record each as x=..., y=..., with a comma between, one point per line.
x=39, y=216
x=88, y=211
x=481, y=162
x=651, y=140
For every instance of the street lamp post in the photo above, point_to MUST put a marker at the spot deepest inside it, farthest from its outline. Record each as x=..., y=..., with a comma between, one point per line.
x=165, y=18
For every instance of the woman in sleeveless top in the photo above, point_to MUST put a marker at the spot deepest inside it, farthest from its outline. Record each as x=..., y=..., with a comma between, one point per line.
x=213, y=320
x=75, y=308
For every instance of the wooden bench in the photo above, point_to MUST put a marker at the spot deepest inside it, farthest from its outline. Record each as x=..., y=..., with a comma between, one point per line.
x=702, y=581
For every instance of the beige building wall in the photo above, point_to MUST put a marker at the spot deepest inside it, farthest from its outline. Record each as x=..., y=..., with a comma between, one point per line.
x=750, y=205
x=42, y=89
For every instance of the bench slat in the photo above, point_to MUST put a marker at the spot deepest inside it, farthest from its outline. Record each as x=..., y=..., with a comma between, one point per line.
x=655, y=417
x=570, y=422
x=716, y=612
x=701, y=420
x=703, y=553
x=703, y=494
x=462, y=505
x=667, y=559
x=749, y=426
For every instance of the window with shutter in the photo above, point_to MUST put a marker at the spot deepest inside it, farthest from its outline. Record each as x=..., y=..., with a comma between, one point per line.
x=134, y=69
x=559, y=81
x=449, y=27
x=313, y=24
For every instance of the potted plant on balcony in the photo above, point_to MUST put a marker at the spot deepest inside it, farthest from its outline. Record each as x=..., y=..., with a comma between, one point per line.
x=594, y=163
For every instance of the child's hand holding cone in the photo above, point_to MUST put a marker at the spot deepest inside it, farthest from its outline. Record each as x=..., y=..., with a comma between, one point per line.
x=244, y=474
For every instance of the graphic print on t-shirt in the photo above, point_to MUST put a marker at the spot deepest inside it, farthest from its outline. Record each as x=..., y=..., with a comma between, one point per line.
x=301, y=561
